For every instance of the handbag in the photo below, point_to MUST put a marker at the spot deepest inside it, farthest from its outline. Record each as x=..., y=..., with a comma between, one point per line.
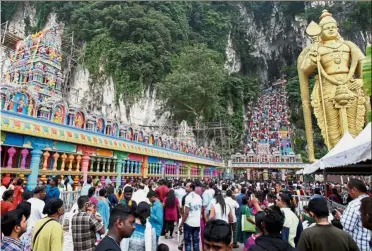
x=248, y=226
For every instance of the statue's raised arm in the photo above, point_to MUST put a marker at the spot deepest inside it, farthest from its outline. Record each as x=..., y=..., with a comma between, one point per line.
x=337, y=98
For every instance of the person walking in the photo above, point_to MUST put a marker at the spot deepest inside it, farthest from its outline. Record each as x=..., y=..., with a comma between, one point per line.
x=351, y=218
x=86, y=187
x=157, y=214
x=317, y=238
x=37, y=207
x=7, y=202
x=272, y=240
x=127, y=199
x=291, y=222
x=121, y=226
x=91, y=196
x=245, y=212
x=84, y=226
x=233, y=206
x=53, y=191
x=143, y=237
x=219, y=209
x=171, y=208
x=48, y=233
x=103, y=207
x=191, y=218
x=13, y=226
x=18, y=191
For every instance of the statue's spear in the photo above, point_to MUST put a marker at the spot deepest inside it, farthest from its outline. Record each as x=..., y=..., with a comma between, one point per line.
x=314, y=30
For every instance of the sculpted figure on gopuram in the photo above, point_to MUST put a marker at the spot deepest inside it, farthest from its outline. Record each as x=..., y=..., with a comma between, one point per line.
x=337, y=98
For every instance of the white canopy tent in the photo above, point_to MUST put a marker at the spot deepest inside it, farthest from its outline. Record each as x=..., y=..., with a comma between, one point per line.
x=358, y=152
x=347, y=151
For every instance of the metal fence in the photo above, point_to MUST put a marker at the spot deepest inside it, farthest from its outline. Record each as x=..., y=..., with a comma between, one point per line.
x=304, y=201
x=69, y=198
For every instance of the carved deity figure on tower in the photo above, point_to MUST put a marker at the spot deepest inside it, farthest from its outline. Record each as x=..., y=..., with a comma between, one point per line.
x=338, y=99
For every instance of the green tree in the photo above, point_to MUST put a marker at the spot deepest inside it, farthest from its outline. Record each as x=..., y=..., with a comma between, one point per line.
x=192, y=90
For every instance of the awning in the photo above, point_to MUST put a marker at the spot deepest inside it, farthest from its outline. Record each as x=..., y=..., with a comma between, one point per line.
x=358, y=152
x=346, y=141
x=347, y=152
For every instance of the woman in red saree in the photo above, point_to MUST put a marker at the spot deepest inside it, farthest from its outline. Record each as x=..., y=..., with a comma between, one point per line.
x=18, y=191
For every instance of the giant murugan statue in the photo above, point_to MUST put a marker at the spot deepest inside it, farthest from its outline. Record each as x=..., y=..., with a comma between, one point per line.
x=338, y=99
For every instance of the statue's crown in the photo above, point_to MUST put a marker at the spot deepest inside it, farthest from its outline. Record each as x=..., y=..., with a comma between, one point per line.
x=326, y=18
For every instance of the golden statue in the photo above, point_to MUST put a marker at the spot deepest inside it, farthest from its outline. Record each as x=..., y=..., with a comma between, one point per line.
x=338, y=99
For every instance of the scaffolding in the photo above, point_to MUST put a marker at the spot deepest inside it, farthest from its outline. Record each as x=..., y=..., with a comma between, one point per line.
x=8, y=38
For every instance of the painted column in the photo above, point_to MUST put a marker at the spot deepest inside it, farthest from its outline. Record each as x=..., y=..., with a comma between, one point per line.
x=71, y=159
x=11, y=152
x=46, y=156
x=64, y=157
x=24, y=154
x=162, y=171
x=108, y=167
x=145, y=166
x=265, y=174
x=55, y=160
x=91, y=163
x=34, y=166
x=131, y=167
x=201, y=172
x=84, y=166
x=104, y=165
x=98, y=168
x=78, y=159
x=118, y=164
x=188, y=171
x=139, y=168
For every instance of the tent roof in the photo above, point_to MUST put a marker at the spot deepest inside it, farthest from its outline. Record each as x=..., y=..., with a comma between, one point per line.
x=348, y=151
x=346, y=141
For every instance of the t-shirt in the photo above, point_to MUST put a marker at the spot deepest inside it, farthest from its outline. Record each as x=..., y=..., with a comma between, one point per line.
x=180, y=192
x=290, y=224
x=218, y=211
x=207, y=198
x=85, y=189
x=233, y=205
x=194, y=202
x=325, y=238
x=50, y=237
x=108, y=244
x=37, y=207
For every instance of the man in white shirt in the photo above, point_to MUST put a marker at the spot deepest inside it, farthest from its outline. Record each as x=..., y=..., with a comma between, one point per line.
x=85, y=189
x=233, y=204
x=37, y=206
x=191, y=218
x=140, y=195
x=179, y=191
x=207, y=198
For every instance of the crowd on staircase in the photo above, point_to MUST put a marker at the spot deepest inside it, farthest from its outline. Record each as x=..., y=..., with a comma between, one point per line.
x=269, y=121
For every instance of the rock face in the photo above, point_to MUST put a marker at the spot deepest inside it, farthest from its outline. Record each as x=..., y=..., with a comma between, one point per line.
x=101, y=98
x=267, y=43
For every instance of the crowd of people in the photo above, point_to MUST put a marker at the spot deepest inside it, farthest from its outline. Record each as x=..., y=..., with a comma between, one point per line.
x=267, y=119
x=219, y=214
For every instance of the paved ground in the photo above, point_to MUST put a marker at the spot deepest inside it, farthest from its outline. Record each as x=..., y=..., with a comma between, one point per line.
x=172, y=243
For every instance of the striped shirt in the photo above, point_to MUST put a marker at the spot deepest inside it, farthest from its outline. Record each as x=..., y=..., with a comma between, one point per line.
x=352, y=223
